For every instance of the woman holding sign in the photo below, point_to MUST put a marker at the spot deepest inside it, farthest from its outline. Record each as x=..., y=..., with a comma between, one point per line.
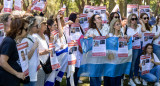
x=96, y=29
x=115, y=31
x=32, y=50
x=150, y=59
x=10, y=70
x=156, y=39
x=134, y=30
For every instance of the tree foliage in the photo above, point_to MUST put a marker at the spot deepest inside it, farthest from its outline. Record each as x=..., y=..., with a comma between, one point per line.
x=78, y=5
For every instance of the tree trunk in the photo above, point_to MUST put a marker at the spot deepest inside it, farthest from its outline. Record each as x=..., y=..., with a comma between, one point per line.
x=1, y=2
x=125, y=7
x=157, y=8
x=148, y=2
x=88, y=2
x=104, y=3
x=121, y=7
x=111, y=5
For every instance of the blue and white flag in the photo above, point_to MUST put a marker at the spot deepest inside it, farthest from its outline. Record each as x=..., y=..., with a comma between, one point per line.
x=58, y=74
x=110, y=65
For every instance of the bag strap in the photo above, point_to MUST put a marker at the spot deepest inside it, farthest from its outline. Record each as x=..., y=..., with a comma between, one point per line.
x=156, y=28
x=99, y=32
x=30, y=39
x=126, y=30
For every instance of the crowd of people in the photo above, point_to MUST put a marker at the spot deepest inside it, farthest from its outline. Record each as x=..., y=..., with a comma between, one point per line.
x=37, y=30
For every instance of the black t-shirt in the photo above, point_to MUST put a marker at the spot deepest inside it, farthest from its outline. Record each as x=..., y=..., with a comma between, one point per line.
x=8, y=47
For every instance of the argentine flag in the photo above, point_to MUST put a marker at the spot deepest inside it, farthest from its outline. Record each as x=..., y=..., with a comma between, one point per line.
x=110, y=65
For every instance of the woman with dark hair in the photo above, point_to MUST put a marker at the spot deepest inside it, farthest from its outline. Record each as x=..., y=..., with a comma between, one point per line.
x=144, y=22
x=96, y=28
x=10, y=70
x=113, y=15
x=156, y=39
x=154, y=66
x=74, y=17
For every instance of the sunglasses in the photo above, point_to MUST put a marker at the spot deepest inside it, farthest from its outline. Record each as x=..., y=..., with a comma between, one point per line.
x=117, y=17
x=117, y=24
x=36, y=26
x=146, y=18
x=134, y=19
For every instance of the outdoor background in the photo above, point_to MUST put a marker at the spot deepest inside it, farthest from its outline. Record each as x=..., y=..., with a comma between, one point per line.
x=78, y=5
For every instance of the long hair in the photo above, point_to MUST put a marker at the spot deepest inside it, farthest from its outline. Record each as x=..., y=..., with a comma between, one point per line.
x=157, y=20
x=146, y=24
x=31, y=21
x=111, y=16
x=145, y=50
x=112, y=23
x=72, y=17
x=16, y=27
x=50, y=22
x=91, y=22
x=129, y=20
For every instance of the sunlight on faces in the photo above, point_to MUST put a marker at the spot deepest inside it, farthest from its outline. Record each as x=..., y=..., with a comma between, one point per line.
x=134, y=20
x=98, y=19
x=117, y=25
x=145, y=19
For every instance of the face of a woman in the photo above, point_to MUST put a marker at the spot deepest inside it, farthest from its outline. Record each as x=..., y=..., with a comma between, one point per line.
x=34, y=28
x=9, y=20
x=133, y=20
x=149, y=49
x=117, y=25
x=24, y=32
x=77, y=19
x=43, y=27
x=116, y=16
x=145, y=19
x=8, y=23
x=98, y=19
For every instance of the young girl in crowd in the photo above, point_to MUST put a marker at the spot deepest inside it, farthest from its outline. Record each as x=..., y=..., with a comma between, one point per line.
x=156, y=40
x=153, y=64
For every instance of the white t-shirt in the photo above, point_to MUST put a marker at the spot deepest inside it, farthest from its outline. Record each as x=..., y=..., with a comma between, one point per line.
x=155, y=60
x=104, y=31
x=43, y=45
x=33, y=62
x=156, y=41
x=131, y=31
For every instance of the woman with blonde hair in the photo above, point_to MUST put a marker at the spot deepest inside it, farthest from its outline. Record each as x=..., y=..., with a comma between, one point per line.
x=43, y=48
x=134, y=29
x=115, y=31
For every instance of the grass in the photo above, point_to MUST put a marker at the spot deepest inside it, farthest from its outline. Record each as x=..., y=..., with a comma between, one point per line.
x=86, y=82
